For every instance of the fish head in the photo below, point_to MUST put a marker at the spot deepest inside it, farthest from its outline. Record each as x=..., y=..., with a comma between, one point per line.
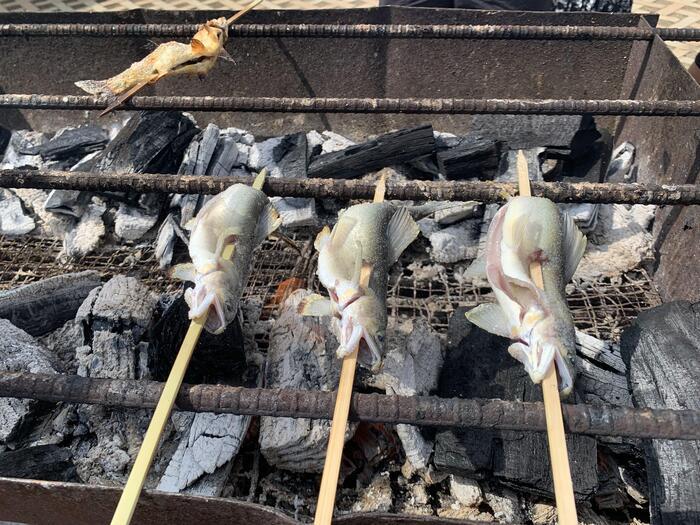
x=208, y=297
x=345, y=292
x=544, y=344
x=210, y=37
x=363, y=327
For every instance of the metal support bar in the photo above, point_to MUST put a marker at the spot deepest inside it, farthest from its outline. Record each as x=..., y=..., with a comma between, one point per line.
x=483, y=191
x=417, y=410
x=450, y=106
x=404, y=31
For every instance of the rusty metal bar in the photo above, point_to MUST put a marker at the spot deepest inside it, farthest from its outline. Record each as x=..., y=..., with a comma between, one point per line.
x=451, y=106
x=418, y=410
x=404, y=31
x=484, y=191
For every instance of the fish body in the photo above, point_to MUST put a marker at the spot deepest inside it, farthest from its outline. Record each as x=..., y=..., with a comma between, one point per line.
x=241, y=216
x=353, y=265
x=170, y=58
x=525, y=230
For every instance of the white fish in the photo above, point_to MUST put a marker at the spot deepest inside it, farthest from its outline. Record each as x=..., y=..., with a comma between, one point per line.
x=242, y=216
x=353, y=264
x=525, y=230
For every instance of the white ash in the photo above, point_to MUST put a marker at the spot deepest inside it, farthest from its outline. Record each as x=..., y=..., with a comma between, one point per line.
x=66, y=202
x=296, y=212
x=621, y=242
x=13, y=220
x=455, y=243
x=411, y=367
x=49, y=224
x=63, y=343
x=301, y=355
x=85, y=237
x=505, y=506
x=377, y=497
x=466, y=491
x=20, y=352
x=334, y=142
x=449, y=507
x=446, y=140
x=21, y=141
x=621, y=163
x=209, y=441
x=131, y=223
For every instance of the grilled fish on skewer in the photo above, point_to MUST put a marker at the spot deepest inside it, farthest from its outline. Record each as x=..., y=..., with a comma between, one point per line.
x=353, y=264
x=242, y=216
x=525, y=230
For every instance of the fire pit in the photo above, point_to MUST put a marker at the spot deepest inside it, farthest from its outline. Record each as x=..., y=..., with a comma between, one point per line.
x=437, y=100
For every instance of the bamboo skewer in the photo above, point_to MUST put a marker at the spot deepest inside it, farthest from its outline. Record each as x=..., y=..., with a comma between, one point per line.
x=137, y=477
x=243, y=11
x=561, y=472
x=336, y=439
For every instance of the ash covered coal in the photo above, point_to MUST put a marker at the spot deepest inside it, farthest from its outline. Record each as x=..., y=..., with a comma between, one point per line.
x=123, y=329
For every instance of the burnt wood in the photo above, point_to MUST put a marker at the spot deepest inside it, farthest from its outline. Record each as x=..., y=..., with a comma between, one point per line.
x=477, y=365
x=386, y=150
x=45, y=462
x=475, y=157
x=662, y=351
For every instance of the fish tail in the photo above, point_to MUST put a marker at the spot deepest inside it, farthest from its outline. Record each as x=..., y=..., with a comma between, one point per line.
x=95, y=87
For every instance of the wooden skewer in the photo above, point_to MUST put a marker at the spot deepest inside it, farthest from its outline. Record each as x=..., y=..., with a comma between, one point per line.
x=137, y=477
x=561, y=472
x=336, y=439
x=243, y=11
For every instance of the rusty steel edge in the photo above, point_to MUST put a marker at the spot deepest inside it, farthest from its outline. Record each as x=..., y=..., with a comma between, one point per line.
x=484, y=191
x=403, y=31
x=417, y=410
x=418, y=106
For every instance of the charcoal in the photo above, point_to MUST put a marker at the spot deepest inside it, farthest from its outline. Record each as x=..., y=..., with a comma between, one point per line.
x=217, y=358
x=20, y=352
x=411, y=367
x=457, y=242
x=301, y=355
x=43, y=306
x=228, y=155
x=209, y=442
x=150, y=142
x=619, y=169
x=662, y=353
x=48, y=224
x=386, y=150
x=13, y=219
x=22, y=141
x=286, y=157
x=527, y=131
x=67, y=202
x=71, y=143
x=477, y=365
x=200, y=151
x=606, y=6
x=5, y=135
x=45, y=462
x=446, y=213
x=165, y=242
x=474, y=157
x=131, y=223
x=85, y=237
x=114, y=318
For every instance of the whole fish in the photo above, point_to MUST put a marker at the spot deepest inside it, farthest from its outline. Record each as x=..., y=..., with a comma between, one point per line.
x=525, y=230
x=171, y=58
x=353, y=265
x=242, y=216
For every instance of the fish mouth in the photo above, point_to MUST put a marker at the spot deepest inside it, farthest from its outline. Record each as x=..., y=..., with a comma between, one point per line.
x=538, y=357
x=356, y=337
x=203, y=301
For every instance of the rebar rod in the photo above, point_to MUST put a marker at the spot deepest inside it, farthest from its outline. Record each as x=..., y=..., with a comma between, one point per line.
x=417, y=410
x=403, y=31
x=450, y=106
x=483, y=191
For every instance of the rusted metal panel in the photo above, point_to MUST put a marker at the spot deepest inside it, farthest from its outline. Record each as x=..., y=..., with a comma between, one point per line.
x=667, y=152
x=328, y=67
x=56, y=503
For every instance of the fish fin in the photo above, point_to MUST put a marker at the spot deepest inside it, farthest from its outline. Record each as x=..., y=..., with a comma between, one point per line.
x=225, y=55
x=259, y=181
x=341, y=230
x=268, y=222
x=401, y=231
x=365, y=274
x=574, y=244
x=228, y=236
x=490, y=317
x=183, y=272
x=566, y=382
x=477, y=269
x=189, y=225
x=322, y=237
x=197, y=46
x=130, y=93
x=316, y=305
x=95, y=87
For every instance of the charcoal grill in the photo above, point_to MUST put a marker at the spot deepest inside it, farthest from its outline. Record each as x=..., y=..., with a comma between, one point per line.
x=363, y=72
